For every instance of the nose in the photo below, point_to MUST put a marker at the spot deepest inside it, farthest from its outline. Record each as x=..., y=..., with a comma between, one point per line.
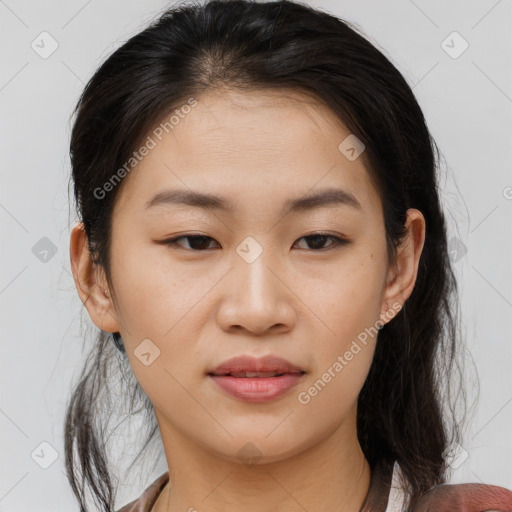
x=256, y=298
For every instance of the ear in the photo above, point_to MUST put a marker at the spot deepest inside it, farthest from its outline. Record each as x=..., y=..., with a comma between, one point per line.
x=402, y=277
x=91, y=283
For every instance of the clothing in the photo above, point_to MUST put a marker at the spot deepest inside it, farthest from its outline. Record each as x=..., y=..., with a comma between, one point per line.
x=468, y=497
x=145, y=502
x=388, y=495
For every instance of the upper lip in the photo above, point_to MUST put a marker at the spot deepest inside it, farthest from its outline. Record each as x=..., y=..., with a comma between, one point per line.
x=246, y=363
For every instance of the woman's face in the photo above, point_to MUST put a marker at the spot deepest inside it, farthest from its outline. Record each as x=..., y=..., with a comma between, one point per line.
x=258, y=284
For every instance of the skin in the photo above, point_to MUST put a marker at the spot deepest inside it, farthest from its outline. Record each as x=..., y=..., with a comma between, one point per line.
x=297, y=300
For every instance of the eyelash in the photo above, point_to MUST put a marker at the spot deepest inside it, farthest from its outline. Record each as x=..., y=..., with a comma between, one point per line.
x=337, y=241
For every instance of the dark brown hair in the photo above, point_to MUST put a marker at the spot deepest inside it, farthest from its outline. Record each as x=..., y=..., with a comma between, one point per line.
x=241, y=44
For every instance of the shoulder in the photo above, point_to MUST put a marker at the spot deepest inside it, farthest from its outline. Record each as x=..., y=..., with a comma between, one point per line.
x=145, y=502
x=464, y=497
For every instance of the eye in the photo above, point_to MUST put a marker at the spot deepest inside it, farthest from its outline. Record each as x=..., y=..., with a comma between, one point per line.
x=199, y=243
x=319, y=239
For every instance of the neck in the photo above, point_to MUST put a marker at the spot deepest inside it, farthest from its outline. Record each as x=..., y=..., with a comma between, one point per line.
x=333, y=475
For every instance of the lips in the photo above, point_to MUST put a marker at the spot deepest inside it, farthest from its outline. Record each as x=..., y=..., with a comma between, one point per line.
x=256, y=380
x=248, y=366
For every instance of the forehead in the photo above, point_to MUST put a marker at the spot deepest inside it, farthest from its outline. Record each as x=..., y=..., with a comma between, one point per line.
x=258, y=145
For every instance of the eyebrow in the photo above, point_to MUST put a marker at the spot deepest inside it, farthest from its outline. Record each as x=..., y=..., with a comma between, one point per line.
x=322, y=198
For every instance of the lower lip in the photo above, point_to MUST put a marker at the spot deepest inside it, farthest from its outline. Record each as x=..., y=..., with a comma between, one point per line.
x=257, y=389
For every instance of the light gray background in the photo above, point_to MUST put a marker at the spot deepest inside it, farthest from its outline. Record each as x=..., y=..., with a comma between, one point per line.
x=467, y=102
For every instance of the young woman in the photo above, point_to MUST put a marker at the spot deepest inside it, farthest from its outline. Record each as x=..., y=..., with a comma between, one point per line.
x=262, y=247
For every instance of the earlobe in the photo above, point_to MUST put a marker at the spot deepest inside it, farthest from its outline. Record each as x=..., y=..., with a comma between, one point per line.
x=402, y=277
x=90, y=282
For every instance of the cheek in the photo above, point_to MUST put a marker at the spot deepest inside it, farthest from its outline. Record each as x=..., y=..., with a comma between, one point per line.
x=350, y=306
x=331, y=394
x=350, y=310
x=350, y=299
x=152, y=294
